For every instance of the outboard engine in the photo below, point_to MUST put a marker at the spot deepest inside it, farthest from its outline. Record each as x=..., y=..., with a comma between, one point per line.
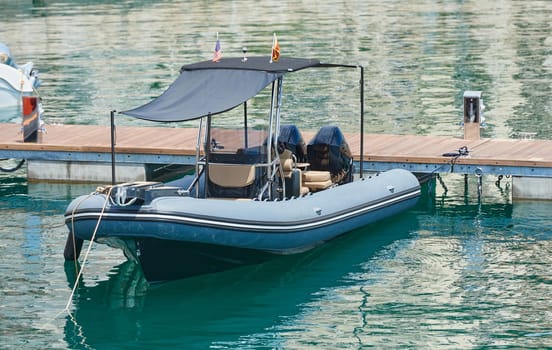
x=329, y=151
x=291, y=138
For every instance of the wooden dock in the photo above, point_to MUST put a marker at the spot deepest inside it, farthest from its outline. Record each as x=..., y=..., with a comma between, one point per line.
x=78, y=144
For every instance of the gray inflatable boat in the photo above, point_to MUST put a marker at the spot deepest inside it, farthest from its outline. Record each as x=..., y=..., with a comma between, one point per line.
x=255, y=193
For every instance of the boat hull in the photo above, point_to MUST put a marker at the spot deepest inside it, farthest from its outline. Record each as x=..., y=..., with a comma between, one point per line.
x=9, y=97
x=207, y=235
x=164, y=260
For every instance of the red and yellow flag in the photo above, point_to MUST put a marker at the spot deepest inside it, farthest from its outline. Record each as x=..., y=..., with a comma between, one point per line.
x=275, y=50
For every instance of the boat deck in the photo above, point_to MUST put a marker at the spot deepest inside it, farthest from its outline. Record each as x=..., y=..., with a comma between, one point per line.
x=160, y=145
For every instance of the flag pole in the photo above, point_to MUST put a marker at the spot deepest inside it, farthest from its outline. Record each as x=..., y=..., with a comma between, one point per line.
x=218, y=50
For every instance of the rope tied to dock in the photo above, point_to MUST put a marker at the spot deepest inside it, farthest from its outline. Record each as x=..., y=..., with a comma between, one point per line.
x=462, y=152
x=85, y=259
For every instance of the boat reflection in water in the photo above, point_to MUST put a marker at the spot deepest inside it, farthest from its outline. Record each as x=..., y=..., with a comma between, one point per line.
x=126, y=311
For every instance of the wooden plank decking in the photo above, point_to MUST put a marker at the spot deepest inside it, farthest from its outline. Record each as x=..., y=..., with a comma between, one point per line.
x=418, y=153
x=96, y=138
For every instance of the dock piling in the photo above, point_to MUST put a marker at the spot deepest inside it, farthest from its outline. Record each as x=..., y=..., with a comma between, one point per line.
x=473, y=110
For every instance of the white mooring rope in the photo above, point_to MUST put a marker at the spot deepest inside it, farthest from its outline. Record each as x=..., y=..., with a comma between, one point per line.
x=87, y=251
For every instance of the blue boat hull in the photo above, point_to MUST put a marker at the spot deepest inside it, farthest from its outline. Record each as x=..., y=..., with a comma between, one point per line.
x=163, y=260
x=174, y=237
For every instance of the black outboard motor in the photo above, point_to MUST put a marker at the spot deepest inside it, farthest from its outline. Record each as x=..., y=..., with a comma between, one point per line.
x=329, y=151
x=291, y=138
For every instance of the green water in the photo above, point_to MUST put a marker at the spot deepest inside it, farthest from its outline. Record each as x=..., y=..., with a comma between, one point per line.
x=95, y=56
x=454, y=272
x=459, y=271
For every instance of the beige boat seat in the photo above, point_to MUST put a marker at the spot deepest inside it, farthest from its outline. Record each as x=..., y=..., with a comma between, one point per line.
x=316, y=180
x=232, y=175
x=290, y=170
x=287, y=166
x=231, y=180
x=287, y=161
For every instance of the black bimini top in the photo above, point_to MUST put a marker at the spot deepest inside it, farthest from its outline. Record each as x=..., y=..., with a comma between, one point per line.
x=208, y=88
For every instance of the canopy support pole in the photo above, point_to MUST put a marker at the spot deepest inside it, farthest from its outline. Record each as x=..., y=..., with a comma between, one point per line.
x=198, y=154
x=278, y=107
x=113, y=182
x=270, y=142
x=361, y=120
x=207, y=150
x=246, y=140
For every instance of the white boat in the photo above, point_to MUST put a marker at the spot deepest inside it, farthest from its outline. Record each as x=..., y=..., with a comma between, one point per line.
x=15, y=81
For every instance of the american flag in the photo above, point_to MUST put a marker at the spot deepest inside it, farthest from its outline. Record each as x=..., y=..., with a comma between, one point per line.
x=218, y=51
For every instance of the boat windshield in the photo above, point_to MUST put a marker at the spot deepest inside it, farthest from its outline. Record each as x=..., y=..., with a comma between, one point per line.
x=240, y=144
